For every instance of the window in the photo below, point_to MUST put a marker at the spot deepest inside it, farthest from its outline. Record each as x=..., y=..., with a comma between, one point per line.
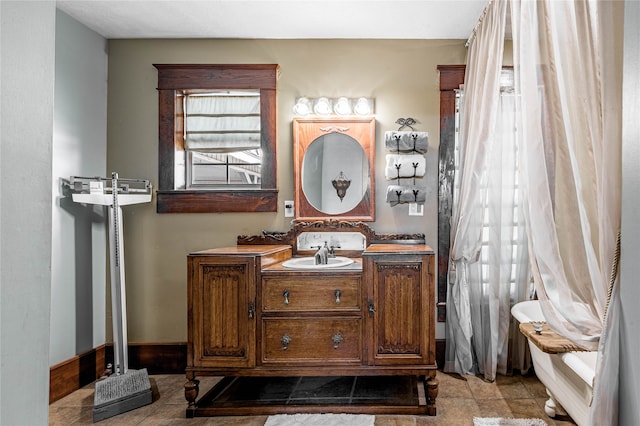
x=504, y=240
x=217, y=138
x=222, y=140
x=451, y=78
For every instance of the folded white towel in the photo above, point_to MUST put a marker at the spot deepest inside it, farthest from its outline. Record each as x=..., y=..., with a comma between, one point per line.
x=402, y=141
x=404, y=166
x=406, y=194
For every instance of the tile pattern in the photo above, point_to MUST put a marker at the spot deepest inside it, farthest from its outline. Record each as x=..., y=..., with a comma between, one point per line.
x=460, y=398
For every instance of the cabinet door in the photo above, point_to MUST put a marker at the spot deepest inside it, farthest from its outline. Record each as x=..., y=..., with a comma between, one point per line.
x=398, y=311
x=221, y=312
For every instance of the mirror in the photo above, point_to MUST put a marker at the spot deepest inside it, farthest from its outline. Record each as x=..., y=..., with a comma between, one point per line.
x=333, y=168
x=335, y=173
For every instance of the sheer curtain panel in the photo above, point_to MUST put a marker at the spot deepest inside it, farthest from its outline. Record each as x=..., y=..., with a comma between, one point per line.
x=567, y=57
x=488, y=245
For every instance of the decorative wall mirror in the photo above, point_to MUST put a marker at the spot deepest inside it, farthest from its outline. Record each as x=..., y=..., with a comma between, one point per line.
x=334, y=168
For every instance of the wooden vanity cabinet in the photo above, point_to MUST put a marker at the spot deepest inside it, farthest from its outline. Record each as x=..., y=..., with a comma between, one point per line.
x=250, y=316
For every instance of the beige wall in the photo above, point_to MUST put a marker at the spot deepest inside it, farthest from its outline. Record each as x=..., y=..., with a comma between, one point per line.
x=400, y=74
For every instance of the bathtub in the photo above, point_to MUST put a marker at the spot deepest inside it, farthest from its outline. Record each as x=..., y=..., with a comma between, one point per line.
x=568, y=377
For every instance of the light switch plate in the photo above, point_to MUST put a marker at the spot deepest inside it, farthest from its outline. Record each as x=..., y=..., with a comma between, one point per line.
x=288, y=209
x=416, y=209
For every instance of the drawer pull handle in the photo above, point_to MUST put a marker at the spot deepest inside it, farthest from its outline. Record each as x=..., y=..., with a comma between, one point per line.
x=337, y=339
x=337, y=293
x=285, y=294
x=285, y=342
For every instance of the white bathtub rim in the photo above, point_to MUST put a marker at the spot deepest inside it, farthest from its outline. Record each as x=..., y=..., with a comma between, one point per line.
x=527, y=311
x=582, y=363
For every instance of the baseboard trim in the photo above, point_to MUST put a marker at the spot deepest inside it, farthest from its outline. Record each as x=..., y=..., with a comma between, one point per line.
x=81, y=370
x=440, y=348
x=157, y=358
x=72, y=374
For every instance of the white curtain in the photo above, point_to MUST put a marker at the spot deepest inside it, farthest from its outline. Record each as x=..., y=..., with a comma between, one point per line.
x=567, y=57
x=489, y=257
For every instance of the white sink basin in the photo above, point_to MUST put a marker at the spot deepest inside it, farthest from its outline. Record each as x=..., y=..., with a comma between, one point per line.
x=310, y=263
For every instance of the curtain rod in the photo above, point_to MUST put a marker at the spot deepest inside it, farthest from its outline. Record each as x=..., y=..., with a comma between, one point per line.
x=472, y=36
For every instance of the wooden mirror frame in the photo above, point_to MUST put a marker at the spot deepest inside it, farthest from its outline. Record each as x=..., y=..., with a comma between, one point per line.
x=307, y=130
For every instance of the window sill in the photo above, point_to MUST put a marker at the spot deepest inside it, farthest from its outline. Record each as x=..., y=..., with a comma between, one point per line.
x=200, y=201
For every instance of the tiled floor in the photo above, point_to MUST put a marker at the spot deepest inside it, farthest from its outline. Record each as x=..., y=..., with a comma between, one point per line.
x=459, y=400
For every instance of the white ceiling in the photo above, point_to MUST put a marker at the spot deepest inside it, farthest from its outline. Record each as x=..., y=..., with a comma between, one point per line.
x=280, y=19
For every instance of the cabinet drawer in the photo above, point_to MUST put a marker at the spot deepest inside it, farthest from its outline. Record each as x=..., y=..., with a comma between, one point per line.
x=312, y=340
x=310, y=293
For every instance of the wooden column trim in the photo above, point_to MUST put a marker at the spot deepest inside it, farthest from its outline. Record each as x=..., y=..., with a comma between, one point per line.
x=451, y=77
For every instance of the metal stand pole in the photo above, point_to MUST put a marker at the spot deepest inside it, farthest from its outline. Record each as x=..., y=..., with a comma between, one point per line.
x=118, y=289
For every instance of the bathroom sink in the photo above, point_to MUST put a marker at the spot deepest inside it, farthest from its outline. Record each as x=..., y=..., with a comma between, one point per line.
x=310, y=263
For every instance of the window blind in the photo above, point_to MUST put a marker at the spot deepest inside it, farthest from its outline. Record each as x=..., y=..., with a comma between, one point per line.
x=221, y=122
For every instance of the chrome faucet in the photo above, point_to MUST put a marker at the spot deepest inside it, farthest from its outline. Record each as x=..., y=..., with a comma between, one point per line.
x=332, y=250
x=322, y=255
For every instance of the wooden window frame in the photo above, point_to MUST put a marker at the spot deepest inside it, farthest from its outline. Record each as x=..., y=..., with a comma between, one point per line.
x=175, y=78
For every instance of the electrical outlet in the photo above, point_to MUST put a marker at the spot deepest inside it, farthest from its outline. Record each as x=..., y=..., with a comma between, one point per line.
x=416, y=209
x=288, y=209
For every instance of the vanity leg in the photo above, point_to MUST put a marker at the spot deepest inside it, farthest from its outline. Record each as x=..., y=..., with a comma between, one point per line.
x=191, y=389
x=431, y=392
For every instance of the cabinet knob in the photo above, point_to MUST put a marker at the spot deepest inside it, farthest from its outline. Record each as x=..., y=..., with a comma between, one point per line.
x=285, y=340
x=337, y=293
x=337, y=339
x=285, y=294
